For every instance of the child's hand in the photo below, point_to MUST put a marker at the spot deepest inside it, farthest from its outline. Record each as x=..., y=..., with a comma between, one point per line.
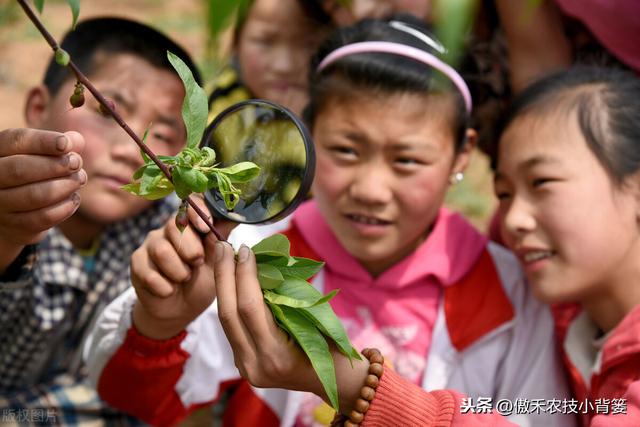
x=264, y=354
x=172, y=273
x=40, y=175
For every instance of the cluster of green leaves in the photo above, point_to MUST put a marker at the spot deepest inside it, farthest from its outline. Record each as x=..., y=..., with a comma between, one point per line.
x=193, y=170
x=301, y=310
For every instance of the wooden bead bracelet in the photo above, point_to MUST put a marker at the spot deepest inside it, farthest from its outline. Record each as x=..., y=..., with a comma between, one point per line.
x=367, y=392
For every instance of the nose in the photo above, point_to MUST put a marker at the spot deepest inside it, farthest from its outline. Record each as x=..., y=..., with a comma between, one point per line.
x=124, y=149
x=283, y=60
x=517, y=219
x=361, y=9
x=372, y=185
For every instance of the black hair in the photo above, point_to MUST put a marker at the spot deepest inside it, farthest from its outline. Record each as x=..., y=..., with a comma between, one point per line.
x=381, y=72
x=113, y=36
x=607, y=105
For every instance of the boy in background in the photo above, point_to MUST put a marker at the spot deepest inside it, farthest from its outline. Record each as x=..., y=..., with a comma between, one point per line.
x=67, y=230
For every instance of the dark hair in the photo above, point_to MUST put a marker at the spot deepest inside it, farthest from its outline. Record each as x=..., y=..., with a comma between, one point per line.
x=380, y=72
x=607, y=104
x=113, y=36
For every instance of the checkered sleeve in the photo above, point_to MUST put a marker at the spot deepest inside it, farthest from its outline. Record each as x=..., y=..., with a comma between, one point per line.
x=29, y=313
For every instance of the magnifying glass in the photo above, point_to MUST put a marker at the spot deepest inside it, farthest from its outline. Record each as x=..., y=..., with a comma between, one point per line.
x=273, y=138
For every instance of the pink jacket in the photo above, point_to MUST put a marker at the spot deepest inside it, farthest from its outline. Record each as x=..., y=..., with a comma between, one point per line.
x=490, y=337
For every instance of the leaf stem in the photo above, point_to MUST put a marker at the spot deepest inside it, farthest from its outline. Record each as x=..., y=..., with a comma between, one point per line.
x=116, y=116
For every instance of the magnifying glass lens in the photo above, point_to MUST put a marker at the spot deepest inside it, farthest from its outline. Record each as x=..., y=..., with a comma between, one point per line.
x=273, y=138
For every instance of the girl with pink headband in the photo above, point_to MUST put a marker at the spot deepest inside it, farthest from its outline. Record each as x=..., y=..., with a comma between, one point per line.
x=447, y=308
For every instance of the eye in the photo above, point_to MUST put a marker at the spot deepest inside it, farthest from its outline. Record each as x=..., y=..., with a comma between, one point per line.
x=539, y=182
x=343, y=151
x=408, y=161
x=503, y=195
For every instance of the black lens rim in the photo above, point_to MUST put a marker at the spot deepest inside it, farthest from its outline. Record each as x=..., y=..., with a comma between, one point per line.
x=309, y=172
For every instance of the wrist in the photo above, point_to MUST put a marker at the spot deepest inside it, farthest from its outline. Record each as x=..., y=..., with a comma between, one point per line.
x=153, y=327
x=354, y=406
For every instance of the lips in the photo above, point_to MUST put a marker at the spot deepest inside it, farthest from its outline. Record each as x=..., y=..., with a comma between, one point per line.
x=118, y=179
x=367, y=219
x=536, y=256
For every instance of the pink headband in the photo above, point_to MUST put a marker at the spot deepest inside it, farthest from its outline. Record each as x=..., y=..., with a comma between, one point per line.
x=402, y=50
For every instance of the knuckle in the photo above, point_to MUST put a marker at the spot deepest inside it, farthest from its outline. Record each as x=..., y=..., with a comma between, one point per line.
x=17, y=138
x=162, y=250
x=15, y=172
x=247, y=308
x=226, y=317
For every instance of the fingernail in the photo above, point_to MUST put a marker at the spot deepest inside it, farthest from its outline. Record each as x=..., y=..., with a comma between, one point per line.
x=82, y=177
x=219, y=251
x=62, y=142
x=73, y=161
x=243, y=253
x=75, y=198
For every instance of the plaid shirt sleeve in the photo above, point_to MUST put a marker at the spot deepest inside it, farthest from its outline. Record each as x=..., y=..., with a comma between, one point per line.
x=47, y=305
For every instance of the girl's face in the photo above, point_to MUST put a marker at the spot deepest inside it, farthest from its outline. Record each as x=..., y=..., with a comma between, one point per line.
x=383, y=168
x=361, y=9
x=274, y=47
x=574, y=231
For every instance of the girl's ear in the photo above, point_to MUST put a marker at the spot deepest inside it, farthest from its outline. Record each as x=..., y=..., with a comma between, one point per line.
x=462, y=158
x=36, y=109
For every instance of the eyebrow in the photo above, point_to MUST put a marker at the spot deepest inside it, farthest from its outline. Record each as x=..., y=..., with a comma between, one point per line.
x=169, y=121
x=396, y=146
x=528, y=164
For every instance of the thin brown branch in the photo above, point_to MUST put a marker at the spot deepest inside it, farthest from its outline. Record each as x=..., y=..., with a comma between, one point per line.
x=116, y=116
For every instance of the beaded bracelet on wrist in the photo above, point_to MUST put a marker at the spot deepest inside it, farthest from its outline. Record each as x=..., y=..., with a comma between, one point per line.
x=367, y=392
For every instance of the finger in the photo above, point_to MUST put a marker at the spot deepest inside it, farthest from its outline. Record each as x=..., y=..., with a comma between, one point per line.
x=41, y=194
x=164, y=255
x=225, y=227
x=194, y=218
x=224, y=269
x=27, y=168
x=253, y=311
x=188, y=244
x=146, y=278
x=36, y=141
x=27, y=226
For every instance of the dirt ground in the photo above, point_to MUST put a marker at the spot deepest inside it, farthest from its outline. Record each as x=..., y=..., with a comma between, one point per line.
x=24, y=54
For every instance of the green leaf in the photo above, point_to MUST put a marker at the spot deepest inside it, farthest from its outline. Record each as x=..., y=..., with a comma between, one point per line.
x=278, y=243
x=194, y=108
x=325, y=319
x=39, y=5
x=313, y=344
x=279, y=299
x=194, y=180
x=75, y=11
x=269, y=276
x=144, y=141
x=189, y=156
x=208, y=156
x=273, y=258
x=154, y=194
x=303, y=268
x=241, y=172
